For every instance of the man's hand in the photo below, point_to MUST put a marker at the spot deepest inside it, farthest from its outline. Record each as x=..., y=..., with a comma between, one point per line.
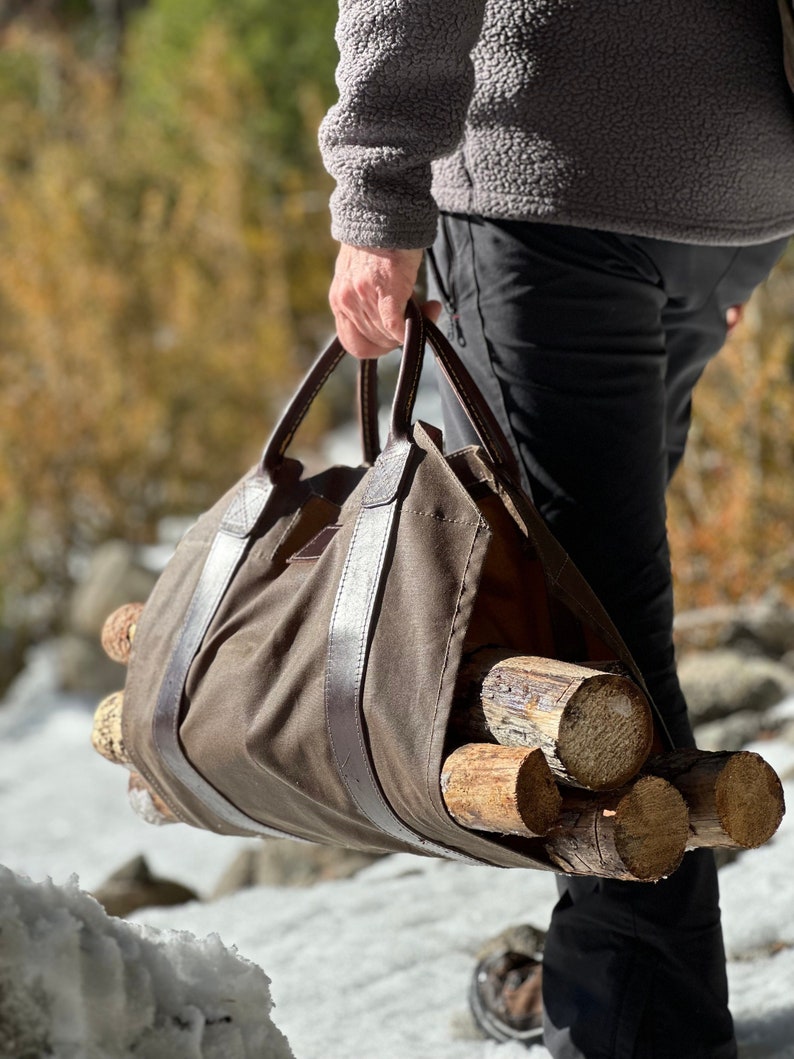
x=369, y=293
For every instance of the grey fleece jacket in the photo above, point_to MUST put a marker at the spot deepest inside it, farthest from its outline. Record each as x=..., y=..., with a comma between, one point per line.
x=668, y=118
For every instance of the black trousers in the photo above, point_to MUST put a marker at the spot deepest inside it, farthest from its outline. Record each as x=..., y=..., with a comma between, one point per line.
x=588, y=344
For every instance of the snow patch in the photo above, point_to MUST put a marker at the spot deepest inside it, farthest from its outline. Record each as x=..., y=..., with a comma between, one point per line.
x=78, y=984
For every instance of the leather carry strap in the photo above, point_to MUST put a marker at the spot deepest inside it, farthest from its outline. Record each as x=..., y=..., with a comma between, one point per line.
x=463, y=386
x=482, y=418
x=466, y=390
x=368, y=410
x=354, y=618
x=297, y=409
x=227, y=550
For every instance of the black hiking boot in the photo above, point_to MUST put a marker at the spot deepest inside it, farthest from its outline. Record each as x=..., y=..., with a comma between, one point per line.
x=505, y=993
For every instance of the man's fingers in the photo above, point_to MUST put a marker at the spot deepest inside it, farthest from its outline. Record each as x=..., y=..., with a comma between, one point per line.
x=358, y=344
x=370, y=290
x=358, y=320
x=432, y=310
x=365, y=337
x=392, y=318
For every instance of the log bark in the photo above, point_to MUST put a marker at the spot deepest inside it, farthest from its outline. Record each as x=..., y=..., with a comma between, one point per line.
x=510, y=790
x=595, y=728
x=118, y=632
x=637, y=834
x=735, y=800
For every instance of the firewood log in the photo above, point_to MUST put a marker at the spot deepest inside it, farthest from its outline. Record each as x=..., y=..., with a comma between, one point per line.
x=594, y=728
x=146, y=803
x=106, y=734
x=639, y=833
x=735, y=799
x=108, y=740
x=118, y=632
x=635, y=832
x=500, y=788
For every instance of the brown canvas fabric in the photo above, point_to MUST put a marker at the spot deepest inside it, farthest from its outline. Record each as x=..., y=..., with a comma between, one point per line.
x=464, y=561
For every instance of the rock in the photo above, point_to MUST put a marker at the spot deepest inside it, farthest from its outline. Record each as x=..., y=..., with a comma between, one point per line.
x=133, y=886
x=718, y=683
x=702, y=628
x=83, y=667
x=281, y=862
x=730, y=733
x=114, y=577
x=764, y=627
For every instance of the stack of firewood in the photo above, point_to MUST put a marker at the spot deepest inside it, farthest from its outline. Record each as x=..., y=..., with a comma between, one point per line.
x=559, y=753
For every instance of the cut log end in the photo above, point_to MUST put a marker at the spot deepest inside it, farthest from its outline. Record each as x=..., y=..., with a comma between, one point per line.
x=595, y=728
x=735, y=799
x=606, y=732
x=118, y=632
x=507, y=790
x=749, y=799
x=106, y=734
x=638, y=834
x=651, y=829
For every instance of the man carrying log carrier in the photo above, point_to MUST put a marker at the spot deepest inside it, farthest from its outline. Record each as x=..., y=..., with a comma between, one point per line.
x=601, y=185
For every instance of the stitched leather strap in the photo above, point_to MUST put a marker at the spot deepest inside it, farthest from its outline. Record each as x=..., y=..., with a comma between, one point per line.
x=353, y=622
x=295, y=412
x=418, y=330
x=368, y=410
x=224, y=557
x=479, y=413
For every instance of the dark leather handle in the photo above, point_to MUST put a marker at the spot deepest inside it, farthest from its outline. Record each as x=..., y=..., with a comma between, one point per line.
x=296, y=411
x=368, y=409
x=467, y=392
x=418, y=330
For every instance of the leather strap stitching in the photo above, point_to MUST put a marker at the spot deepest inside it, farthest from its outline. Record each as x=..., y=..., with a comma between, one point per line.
x=219, y=568
x=301, y=413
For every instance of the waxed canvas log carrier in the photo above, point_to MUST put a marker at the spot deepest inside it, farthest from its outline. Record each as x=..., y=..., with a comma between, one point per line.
x=293, y=672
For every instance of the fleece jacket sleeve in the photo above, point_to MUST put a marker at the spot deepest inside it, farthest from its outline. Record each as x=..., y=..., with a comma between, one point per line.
x=405, y=80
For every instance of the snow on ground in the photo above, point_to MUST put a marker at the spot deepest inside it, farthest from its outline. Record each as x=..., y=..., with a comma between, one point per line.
x=374, y=966
x=78, y=984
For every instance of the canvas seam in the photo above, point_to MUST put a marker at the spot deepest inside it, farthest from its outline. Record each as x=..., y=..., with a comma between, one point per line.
x=441, y=518
x=445, y=819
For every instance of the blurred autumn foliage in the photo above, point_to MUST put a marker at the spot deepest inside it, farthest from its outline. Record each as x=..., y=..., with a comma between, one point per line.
x=164, y=266
x=731, y=507
x=163, y=277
